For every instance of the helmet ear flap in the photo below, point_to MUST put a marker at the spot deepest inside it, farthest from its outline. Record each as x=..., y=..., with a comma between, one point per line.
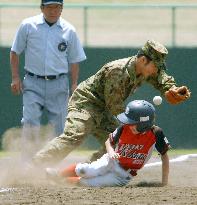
x=143, y=127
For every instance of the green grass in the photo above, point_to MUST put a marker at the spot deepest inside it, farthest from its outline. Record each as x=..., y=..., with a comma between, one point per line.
x=176, y=152
x=4, y=154
x=182, y=151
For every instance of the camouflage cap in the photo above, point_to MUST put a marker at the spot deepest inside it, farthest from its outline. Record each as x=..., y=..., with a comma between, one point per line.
x=156, y=52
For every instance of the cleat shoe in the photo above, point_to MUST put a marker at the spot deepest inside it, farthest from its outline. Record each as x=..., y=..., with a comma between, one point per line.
x=73, y=180
x=53, y=174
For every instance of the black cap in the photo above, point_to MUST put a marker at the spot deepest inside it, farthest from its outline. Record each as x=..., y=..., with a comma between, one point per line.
x=47, y=2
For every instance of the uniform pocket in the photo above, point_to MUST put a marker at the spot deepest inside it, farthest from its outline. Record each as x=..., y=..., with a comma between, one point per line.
x=27, y=82
x=64, y=84
x=79, y=115
x=62, y=48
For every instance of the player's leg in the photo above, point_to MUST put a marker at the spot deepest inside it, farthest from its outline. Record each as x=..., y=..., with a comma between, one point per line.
x=107, y=180
x=67, y=174
x=74, y=172
x=77, y=126
x=29, y=141
x=56, y=103
x=111, y=175
x=69, y=171
x=99, y=167
x=86, y=170
x=32, y=111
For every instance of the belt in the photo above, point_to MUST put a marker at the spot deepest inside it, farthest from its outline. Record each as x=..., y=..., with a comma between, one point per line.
x=46, y=77
x=131, y=171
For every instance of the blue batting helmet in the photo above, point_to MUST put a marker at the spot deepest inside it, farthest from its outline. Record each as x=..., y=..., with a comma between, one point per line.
x=139, y=112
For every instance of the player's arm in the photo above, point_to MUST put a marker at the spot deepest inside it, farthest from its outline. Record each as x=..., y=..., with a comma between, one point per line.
x=75, y=56
x=112, y=141
x=165, y=168
x=74, y=75
x=18, y=46
x=110, y=150
x=16, y=85
x=162, y=146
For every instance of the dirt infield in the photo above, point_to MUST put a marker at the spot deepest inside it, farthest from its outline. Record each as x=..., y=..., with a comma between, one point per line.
x=144, y=189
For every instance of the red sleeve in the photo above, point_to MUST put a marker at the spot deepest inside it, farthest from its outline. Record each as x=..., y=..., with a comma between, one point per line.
x=162, y=145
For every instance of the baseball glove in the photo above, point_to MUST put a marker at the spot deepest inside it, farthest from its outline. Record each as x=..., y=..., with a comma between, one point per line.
x=177, y=95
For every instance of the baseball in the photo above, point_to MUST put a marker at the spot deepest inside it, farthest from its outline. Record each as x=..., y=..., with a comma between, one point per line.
x=157, y=100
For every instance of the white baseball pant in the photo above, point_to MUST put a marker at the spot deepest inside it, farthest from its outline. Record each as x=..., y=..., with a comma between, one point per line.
x=103, y=172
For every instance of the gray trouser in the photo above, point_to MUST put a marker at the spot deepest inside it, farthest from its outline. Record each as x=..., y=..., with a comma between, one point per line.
x=51, y=95
x=39, y=95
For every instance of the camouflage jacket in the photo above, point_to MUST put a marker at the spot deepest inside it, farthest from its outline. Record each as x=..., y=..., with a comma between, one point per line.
x=112, y=84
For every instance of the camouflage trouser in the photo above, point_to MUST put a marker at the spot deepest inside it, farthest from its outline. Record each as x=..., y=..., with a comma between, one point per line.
x=78, y=125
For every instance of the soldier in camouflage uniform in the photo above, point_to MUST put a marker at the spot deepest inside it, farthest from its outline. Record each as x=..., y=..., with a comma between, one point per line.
x=98, y=99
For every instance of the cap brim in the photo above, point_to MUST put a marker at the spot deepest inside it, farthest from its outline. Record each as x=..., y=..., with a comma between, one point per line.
x=124, y=119
x=52, y=2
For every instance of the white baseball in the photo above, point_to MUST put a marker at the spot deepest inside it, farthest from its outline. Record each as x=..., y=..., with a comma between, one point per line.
x=157, y=100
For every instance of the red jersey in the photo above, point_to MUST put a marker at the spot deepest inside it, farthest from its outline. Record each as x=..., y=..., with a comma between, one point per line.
x=136, y=149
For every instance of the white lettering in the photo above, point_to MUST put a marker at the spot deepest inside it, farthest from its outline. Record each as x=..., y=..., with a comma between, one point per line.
x=144, y=119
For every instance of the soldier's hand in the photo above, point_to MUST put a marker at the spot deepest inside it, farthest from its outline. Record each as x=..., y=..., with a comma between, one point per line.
x=176, y=95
